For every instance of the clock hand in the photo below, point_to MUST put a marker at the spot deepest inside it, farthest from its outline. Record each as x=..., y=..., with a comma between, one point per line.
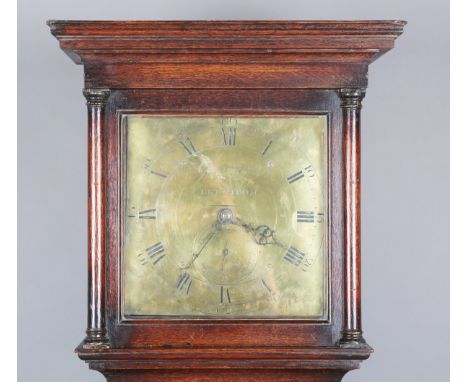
x=225, y=216
x=214, y=230
x=262, y=234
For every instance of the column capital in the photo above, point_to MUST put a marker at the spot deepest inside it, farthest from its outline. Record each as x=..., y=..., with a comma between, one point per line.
x=96, y=97
x=351, y=97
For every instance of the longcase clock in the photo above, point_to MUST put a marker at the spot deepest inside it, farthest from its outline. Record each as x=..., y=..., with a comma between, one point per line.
x=224, y=196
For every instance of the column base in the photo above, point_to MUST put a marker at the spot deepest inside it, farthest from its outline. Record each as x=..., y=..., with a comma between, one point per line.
x=96, y=339
x=353, y=339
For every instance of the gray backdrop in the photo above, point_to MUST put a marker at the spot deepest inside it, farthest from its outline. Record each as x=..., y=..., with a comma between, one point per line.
x=405, y=146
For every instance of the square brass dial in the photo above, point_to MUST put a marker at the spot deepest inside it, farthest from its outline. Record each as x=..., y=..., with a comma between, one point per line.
x=224, y=216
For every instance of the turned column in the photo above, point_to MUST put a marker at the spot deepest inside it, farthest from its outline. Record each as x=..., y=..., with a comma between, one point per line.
x=351, y=109
x=96, y=335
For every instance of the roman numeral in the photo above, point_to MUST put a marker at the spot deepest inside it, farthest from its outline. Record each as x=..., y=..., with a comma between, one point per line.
x=265, y=285
x=152, y=254
x=294, y=256
x=184, y=283
x=147, y=214
x=266, y=147
x=306, y=171
x=305, y=216
x=158, y=174
x=309, y=171
x=309, y=217
x=225, y=296
x=296, y=176
x=229, y=136
x=149, y=164
x=188, y=145
x=155, y=250
x=229, y=122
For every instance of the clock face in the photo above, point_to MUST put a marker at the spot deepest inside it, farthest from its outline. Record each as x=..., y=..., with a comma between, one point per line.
x=224, y=216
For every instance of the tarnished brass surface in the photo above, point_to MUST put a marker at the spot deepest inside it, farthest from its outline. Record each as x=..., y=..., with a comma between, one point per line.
x=213, y=224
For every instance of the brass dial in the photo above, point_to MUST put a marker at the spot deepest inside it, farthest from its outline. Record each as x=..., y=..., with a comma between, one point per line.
x=224, y=216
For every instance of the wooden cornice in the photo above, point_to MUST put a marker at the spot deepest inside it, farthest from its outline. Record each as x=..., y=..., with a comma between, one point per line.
x=154, y=41
x=214, y=47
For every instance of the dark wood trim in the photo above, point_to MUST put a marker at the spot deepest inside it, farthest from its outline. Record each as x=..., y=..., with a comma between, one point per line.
x=96, y=334
x=155, y=41
x=225, y=76
x=325, y=371
x=241, y=332
x=225, y=27
x=351, y=107
x=225, y=364
x=224, y=67
x=123, y=319
x=226, y=54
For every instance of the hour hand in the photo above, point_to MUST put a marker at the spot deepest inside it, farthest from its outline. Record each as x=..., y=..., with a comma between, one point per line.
x=262, y=234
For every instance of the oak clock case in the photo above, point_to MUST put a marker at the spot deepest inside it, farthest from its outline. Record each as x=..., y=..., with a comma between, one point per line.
x=224, y=196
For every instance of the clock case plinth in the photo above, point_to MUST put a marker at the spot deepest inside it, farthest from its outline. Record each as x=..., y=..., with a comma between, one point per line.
x=224, y=68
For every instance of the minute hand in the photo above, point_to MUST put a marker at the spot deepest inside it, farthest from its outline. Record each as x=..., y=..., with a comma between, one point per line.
x=213, y=232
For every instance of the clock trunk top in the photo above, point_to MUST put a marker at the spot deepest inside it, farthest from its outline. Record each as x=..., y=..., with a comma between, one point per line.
x=225, y=54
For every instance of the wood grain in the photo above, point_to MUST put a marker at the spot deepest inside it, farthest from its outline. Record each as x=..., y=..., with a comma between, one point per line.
x=224, y=67
x=226, y=54
x=351, y=106
x=96, y=332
